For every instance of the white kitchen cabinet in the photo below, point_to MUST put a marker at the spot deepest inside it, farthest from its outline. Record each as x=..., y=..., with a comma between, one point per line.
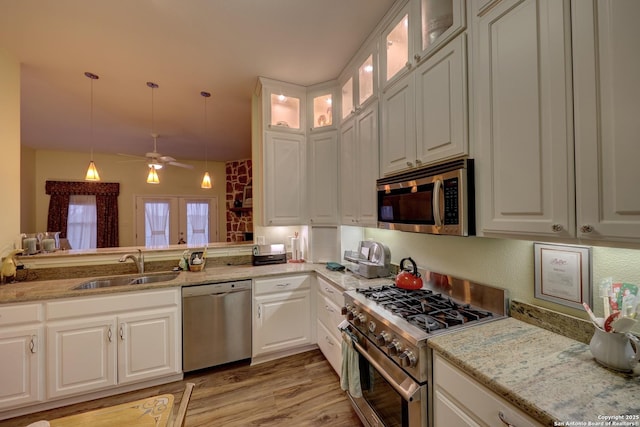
x=320, y=109
x=98, y=343
x=524, y=151
x=21, y=353
x=424, y=114
x=359, y=167
x=284, y=179
x=606, y=61
x=415, y=33
x=282, y=314
x=323, y=178
x=81, y=356
x=329, y=304
x=460, y=401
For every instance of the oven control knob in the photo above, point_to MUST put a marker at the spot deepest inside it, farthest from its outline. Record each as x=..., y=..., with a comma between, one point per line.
x=372, y=326
x=351, y=314
x=345, y=310
x=408, y=359
x=360, y=319
x=394, y=347
x=383, y=338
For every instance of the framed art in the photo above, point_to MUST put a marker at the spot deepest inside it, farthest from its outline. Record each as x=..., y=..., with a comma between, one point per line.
x=563, y=274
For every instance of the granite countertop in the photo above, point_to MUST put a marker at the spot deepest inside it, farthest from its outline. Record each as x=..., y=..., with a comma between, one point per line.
x=552, y=378
x=63, y=288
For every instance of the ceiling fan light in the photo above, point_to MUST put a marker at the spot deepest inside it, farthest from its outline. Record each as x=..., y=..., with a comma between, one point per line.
x=206, y=181
x=155, y=165
x=152, y=178
x=92, y=172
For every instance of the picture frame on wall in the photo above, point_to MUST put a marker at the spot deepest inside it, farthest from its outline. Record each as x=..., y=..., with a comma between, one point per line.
x=563, y=274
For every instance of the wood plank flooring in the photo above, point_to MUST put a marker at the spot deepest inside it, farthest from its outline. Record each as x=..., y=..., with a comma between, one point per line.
x=299, y=390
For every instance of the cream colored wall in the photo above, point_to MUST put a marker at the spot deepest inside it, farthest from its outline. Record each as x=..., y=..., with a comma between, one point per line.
x=503, y=263
x=175, y=181
x=10, y=146
x=27, y=188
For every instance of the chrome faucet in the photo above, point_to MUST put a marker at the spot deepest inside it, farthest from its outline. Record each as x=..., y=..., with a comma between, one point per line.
x=139, y=260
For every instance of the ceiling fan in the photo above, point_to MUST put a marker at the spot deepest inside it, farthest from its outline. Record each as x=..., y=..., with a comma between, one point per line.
x=157, y=160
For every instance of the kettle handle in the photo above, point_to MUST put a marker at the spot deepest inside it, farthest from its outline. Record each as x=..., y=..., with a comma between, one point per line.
x=413, y=264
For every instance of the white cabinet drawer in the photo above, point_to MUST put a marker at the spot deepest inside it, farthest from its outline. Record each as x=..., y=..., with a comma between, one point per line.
x=333, y=292
x=20, y=313
x=281, y=284
x=329, y=314
x=471, y=398
x=330, y=346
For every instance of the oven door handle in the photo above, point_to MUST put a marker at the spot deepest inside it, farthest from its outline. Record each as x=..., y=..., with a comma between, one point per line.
x=408, y=389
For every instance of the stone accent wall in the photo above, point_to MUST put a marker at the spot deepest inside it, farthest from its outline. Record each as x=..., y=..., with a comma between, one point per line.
x=239, y=219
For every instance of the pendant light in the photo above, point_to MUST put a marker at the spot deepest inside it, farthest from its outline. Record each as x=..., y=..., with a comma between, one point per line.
x=206, y=179
x=152, y=178
x=92, y=172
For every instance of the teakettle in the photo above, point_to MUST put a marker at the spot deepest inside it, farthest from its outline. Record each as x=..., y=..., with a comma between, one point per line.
x=614, y=350
x=408, y=279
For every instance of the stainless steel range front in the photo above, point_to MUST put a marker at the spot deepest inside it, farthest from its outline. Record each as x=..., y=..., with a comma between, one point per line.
x=389, y=328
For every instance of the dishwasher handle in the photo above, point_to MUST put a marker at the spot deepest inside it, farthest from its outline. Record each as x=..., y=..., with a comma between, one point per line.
x=216, y=288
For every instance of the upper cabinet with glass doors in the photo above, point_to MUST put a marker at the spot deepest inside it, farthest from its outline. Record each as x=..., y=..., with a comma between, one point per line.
x=416, y=32
x=284, y=107
x=360, y=85
x=321, y=106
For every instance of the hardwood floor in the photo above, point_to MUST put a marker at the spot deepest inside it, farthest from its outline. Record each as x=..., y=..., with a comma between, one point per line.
x=300, y=390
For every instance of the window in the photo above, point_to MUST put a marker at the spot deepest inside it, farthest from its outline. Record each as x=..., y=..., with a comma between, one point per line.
x=168, y=220
x=82, y=223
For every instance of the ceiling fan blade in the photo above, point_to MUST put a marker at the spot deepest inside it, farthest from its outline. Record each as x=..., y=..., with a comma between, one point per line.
x=166, y=159
x=180, y=165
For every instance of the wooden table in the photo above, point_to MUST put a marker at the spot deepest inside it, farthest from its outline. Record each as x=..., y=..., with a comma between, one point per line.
x=152, y=411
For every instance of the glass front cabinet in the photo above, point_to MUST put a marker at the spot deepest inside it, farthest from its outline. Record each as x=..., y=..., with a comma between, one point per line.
x=284, y=106
x=360, y=83
x=321, y=108
x=416, y=32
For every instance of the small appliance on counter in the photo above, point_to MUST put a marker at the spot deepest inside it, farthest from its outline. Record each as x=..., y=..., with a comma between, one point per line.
x=371, y=260
x=269, y=254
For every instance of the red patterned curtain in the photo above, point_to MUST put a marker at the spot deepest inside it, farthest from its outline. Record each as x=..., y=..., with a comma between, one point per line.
x=106, y=205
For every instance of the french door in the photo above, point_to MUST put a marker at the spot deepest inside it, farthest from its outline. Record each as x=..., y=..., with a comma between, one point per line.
x=169, y=220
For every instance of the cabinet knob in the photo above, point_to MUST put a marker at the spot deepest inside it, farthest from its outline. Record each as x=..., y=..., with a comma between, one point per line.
x=586, y=228
x=408, y=65
x=409, y=164
x=416, y=57
x=418, y=162
x=557, y=227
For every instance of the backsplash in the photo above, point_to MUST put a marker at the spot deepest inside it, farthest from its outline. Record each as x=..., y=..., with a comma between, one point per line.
x=560, y=323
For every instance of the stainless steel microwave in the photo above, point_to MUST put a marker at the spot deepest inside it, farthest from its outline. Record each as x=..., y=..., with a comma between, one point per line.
x=437, y=199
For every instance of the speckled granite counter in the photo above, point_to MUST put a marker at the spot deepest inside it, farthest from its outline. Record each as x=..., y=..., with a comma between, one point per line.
x=63, y=288
x=552, y=378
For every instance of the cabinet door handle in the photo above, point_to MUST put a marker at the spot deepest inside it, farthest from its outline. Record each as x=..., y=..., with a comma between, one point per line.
x=259, y=311
x=329, y=309
x=109, y=334
x=416, y=57
x=408, y=65
x=329, y=290
x=418, y=162
x=283, y=285
x=328, y=340
x=121, y=332
x=503, y=419
x=409, y=164
x=586, y=228
x=557, y=227
x=32, y=344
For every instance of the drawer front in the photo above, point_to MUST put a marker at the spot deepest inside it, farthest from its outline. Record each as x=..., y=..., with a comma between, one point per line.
x=329, y=314
x=20, y=313
x=330, y=347
x=280, y=284
x=473, y=398
x=330, y=290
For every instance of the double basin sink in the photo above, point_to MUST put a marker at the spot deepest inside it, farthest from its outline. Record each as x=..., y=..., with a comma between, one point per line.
x=107, y=282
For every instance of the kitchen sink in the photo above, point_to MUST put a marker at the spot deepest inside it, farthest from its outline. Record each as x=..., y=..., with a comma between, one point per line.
x=107, y=282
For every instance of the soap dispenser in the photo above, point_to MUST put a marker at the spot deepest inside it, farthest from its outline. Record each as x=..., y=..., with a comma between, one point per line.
x=9, y=267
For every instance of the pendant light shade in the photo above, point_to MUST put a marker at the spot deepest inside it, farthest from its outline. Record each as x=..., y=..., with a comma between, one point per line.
x=206, y=179
x=152, y=178
x=92, y=171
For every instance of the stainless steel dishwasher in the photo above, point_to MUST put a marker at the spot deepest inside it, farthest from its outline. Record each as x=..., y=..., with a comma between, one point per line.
x=216, y=324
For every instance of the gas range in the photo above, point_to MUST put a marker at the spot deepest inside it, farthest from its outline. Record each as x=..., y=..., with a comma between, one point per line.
x=399, y=322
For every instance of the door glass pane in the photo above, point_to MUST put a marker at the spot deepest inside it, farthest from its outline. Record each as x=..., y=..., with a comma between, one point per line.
x=322, y=111
x=285, y=111
x=365, y=80
x=347, y=98
x=197, y=223
x=156, y=223
x=437, y=17
x=398, y=47
x=82, y=222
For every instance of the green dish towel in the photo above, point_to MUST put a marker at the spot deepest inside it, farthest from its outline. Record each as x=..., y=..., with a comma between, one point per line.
x=350, y=373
